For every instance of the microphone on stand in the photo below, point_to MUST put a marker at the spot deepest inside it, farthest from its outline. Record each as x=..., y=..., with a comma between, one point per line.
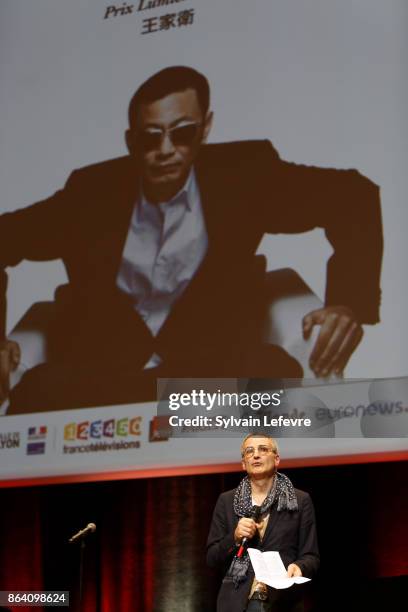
x=90, y=528
x=255, y=516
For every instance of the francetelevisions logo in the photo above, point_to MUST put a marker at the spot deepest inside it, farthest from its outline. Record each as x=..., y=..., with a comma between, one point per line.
x=36, y=440
x=99, y=435
x=96, y=430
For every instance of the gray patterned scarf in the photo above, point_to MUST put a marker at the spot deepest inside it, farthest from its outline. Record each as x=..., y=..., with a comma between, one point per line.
x=282, y=491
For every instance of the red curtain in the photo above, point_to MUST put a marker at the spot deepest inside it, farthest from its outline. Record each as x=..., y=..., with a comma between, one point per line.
x=148, y=552
x=20, y=541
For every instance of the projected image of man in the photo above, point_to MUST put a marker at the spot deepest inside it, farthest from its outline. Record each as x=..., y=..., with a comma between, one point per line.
x=160, y=252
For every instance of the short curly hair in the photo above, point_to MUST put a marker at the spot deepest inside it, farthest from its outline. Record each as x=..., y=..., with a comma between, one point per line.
x=258, y=434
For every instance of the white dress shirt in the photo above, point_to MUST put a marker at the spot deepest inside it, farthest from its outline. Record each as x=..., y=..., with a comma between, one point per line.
x=164, y=248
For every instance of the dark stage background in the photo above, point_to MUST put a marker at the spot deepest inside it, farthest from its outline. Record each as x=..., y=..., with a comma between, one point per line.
x=149, y=549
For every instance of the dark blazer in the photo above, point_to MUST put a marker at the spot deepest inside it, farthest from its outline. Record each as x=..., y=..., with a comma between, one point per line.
x=246, y=191
x=292, y=534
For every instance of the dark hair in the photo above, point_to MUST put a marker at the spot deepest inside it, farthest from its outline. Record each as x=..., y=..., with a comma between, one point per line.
x=167, y=81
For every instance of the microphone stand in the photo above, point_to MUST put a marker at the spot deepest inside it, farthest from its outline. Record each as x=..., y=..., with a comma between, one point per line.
x=81, y=573
x=81, y=535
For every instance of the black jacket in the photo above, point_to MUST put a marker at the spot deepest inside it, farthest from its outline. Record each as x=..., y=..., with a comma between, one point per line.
x=246, y=191
x=292, y=534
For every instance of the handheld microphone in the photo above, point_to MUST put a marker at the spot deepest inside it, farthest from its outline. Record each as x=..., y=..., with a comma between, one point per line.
x=255, y=516
x=90, y=528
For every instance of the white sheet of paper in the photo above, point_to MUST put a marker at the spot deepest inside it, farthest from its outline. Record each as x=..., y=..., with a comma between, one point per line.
x=269, y=569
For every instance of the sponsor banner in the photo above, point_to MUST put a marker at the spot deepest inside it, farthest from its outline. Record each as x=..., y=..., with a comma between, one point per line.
x=137, y=438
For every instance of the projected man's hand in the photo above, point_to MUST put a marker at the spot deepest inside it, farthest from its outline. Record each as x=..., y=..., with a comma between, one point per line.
x=340, y=333
x=10, y=355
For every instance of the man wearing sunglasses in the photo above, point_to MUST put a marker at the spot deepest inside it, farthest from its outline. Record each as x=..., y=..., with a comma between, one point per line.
x=159, y=248
x=266, y=512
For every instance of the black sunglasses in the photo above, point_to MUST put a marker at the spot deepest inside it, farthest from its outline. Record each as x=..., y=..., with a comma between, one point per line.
x=180, y=136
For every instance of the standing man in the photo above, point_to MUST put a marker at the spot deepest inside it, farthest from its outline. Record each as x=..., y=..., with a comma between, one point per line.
x=159, y=248
x=286, y=524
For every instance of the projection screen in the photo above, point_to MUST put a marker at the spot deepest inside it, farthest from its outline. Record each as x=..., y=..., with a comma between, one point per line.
x=324, y=82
